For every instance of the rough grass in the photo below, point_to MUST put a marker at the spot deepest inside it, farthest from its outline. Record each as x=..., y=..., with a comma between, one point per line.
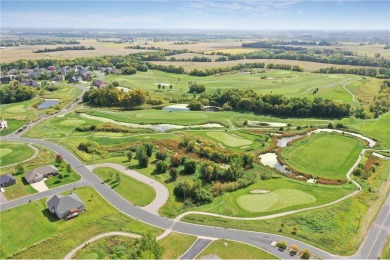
x=235, y=250
x=13, y=152
x=386, y=250
x=323, y=155
x=13, y=125
x=40, y=237
x=274, y=200
x=132, y=190
x=176, y=244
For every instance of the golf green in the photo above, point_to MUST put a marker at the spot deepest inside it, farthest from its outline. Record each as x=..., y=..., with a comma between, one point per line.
x=275, y=200
x=228, y=139
x=12, y=152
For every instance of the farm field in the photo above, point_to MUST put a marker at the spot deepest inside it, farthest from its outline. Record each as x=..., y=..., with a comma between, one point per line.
x=288, y=83
x=136, y=192
x=323, y=155
x=37, y=239
x=234, y=250
x=282, y=194
x=13, y=152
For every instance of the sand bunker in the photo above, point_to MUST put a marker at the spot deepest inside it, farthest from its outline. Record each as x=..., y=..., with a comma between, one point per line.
x=259, y=191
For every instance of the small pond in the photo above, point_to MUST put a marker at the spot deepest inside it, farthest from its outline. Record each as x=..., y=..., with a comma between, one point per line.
x=48, y=103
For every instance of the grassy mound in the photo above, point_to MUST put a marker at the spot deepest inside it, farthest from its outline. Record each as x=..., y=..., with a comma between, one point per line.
x=274, y=200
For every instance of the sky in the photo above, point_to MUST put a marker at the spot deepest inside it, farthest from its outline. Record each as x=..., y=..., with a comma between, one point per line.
x=197, y=14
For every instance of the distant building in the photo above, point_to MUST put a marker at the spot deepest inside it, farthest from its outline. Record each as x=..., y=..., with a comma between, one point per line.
x=3, y=124
x=39, y=173
x=98, y=83
x=7, y=180
x=65, y=207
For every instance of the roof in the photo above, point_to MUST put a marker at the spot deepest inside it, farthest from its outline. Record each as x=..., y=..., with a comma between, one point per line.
x=40, y=172
x=6, y=178
x=63, y=204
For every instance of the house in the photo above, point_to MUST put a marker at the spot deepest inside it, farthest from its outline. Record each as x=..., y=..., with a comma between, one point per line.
x=116, y=71
x=3, y=124
x=13, y=72
x=65, y=207
x=85, y=74
x=58, y=78
x=39, y=173
x=35, y=74
x=98, y=83
x=5, y=79
x=7, y=180
x=75, y=79
x=51, y=68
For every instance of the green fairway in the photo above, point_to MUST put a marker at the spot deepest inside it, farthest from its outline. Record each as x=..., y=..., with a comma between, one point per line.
x=284, y=82
x=229, y=139
x=323, y=155
x=13, y=152
x=25, y=237
x=72, y=122
x=13, y=125
x=132, y=190
x=234, y=250
x=274, y=200
x=284, y=195
x=378, y=128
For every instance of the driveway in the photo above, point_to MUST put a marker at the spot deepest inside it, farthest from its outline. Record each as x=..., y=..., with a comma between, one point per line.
x=40, y=185
x=2, y=198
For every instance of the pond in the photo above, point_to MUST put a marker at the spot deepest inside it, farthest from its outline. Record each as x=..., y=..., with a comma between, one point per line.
x=176, y=107
x=48, y=103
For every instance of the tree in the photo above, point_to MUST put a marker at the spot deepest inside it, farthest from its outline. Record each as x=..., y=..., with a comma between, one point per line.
x=175, y=160
x=161, y=166
x=59, y=158
x=306, y=254
x=294, y=249
x=149, y=248
x=161, y=155
x=129, y=70
x=142, y=157
x=159, y=86
x=173, y=173
x=190, y=166
x=118, y=178
x=195, y=105
x=149, y=149
x=68, y=168
x=129, y=156
x=197, y=88
x=20, y=168
x=282, y=244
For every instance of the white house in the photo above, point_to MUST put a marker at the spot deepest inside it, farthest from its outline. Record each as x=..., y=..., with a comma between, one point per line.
x=3, y=124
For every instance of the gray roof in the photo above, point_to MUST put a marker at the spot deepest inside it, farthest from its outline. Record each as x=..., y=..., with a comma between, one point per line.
x=63, y=204
x=41, y=171
x=6, y=178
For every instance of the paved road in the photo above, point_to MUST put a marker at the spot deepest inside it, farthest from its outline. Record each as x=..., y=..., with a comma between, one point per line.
x=258, y=239
x=196, y=248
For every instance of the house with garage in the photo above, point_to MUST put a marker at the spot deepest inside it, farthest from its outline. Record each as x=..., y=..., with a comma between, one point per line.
x=65, y=207
x=3, y=124
x=98, y=83
x=40, y=173
x=7, y=180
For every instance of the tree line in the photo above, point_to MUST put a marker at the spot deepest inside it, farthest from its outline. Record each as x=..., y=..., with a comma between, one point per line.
x=113, y=97
x=11, y=94
x=381, y=73
x=66, y=48
x=12, y=43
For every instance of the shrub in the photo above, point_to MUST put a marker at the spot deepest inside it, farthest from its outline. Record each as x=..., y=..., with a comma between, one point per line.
x=306, y=254
x=190, y=166
x=161, y=166
x=175, y=160
x=173, y=173
x=161, y=155
x=59, y=158
x=282, y=244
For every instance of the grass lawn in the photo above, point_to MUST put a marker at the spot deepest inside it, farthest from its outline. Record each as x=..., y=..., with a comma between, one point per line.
x=274, y=200
x=13, y=125
x=40, y=238
x=285, y=194
x=323, y=155
x=386, y=250
x=23, y=111
x=132, y=190
x=64, y=176
x=13, y=152
x=176, y=244
x=234, y=250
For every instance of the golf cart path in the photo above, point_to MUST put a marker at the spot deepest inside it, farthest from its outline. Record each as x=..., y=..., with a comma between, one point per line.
x=123, y=234
x=162, y=192
x=353, y=95
x=36, y=152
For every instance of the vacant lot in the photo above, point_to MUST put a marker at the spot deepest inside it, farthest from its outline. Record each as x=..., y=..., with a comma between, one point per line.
x=235, y=250
x=13, y=152
x=323, y=155
x=132, y=190
x=40, y=238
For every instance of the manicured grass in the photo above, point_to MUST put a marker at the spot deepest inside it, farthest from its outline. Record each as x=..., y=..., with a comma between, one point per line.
x=132, y=190
x=229, y=139
x=274, y=200
x=235, y=250
x=13, y=125
x=378, y=128
x=254, y=204
x=30, y=231
x=386, y=250
x=13, y=152
x=64, y=176
x=176, y=244
x=23, y=111
x=323, y=155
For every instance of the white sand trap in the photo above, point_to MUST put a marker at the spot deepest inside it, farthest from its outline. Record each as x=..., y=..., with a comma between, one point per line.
x=237, y=136
x=163, y=84
x=259, y=191
x=40, y=185
x=124, y=89
x=265, y=124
